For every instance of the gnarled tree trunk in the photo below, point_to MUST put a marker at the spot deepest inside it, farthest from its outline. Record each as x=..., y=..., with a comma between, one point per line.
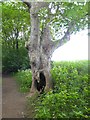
x=40, y=54
x=41, y=48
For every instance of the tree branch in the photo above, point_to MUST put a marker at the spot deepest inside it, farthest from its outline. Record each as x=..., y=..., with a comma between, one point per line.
x=36, y=6
x=65, y=38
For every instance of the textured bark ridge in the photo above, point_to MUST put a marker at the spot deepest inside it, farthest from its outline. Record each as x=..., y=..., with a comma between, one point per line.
x=40, y=50
x=40, y=64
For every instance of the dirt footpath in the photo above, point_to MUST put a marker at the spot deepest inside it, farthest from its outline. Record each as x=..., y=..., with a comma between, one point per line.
x=13, y=102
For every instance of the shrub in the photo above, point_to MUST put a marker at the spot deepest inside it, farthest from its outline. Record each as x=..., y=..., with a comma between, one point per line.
x=13, y=59
x=62, y=105
x=70, y=76
x=70, y=96
x=24, y=78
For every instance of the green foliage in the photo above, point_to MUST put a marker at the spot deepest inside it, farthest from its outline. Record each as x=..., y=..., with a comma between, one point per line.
x=70, y=97
x=61, y=14
x=15, y=31
x=24, y=78
x=69, y=74
x=62, y=105
x=15, y=18
x=13, y=59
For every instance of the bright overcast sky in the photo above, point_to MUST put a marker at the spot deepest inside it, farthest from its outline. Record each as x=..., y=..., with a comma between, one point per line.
x=75, y=49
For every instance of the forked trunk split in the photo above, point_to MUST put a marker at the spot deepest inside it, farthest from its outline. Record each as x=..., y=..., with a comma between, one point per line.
x=40, y=51
x=41, y=48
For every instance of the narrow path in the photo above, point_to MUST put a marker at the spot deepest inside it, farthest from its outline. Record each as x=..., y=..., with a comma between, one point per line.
x=13, y=102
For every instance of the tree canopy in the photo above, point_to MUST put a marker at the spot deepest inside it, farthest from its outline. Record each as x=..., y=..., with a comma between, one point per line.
x=63, y=18
x=15, y=31
x=15, y=20
x=59, y=16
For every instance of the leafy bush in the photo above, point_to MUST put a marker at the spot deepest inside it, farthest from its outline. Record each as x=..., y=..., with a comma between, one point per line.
x=62, y=105
x=24, y=78
x=72, y=76
x=70, y=97
x=13, y=59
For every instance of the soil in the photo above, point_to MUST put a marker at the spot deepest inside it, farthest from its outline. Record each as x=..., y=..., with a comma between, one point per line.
x=13, y=102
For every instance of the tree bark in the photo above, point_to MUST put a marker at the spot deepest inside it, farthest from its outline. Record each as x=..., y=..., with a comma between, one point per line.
x=39, y=53
x=40, y=49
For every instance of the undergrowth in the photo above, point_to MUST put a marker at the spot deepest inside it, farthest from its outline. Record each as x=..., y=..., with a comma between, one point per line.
x=70, y=96
x=24, y=79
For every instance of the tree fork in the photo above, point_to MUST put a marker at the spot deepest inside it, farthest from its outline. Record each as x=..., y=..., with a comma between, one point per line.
x=39, y=52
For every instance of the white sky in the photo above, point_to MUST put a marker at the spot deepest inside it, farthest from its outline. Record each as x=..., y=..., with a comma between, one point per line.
x=75, y=49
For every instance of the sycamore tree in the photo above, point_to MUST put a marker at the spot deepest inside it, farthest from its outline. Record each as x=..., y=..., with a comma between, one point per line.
x=52, y=23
